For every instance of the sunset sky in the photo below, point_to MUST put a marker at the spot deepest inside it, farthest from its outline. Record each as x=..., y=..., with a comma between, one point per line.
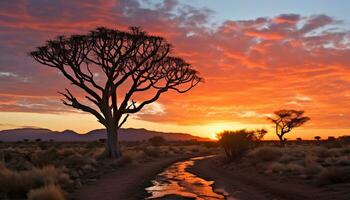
x=255, y=56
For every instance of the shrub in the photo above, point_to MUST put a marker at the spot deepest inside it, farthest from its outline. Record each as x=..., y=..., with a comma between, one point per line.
x=236, y=143
x=317, y=138
x=48, y=175
x=312, y=168
x=343, y=160
x=266, y=153
x=276, y=167
x=151, y=152
x=45, y=157
x=51, y=192
x=294, y=168
x=156, y=141
x=76, y=160
x=332, y=176
x=12, y=182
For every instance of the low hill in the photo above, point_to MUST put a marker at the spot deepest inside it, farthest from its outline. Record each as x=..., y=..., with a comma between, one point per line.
x=127, y=134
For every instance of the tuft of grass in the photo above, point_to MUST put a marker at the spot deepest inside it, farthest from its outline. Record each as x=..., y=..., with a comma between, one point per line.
x=266, y=154
x=332, y=176
x=276, y=167
x=343, y=160
x=50, y=192
x=151, y=152
x=294, y=168
x=312, y=168
x=13, y=182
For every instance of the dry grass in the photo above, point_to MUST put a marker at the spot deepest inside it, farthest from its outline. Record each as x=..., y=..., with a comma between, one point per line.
x=13, y=182
x=320, y=164
x=266, y=153
x=29, y=166
x=50, y=192
x=332, y=176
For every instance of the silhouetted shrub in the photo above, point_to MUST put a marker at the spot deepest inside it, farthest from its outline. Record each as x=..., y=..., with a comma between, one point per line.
x=344, y=139
x=156, y=141
x=236, y=143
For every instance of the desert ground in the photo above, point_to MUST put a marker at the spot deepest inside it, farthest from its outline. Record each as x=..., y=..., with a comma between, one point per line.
x=57, y=170
x=295, y=172
x=53, y=170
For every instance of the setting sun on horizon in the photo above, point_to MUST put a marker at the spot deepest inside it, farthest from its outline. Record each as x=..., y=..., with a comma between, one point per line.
x=174, y=99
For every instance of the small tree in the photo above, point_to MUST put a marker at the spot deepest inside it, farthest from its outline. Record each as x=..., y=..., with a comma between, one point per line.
x=286, y=120
x=156, y=140
x=317, y=138
x=113, y=68
x=237, y=143
x=260, y=134
x=331, y=138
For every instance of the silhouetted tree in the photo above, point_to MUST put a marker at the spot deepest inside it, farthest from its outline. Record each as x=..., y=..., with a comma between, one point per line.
x=317, y=138
x=113, y=67
x=299, y=139
x=260, y=134
x=286, y=120
x=156, y=140
x=331, y=138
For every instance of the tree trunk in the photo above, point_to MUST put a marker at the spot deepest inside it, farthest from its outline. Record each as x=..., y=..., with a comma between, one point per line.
x=112, y=149
x=282, y=140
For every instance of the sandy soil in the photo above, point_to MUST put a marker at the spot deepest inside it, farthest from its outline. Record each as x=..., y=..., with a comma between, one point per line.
x=126, y=183
x=245, y=183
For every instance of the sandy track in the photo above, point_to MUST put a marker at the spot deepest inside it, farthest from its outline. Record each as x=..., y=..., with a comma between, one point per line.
x=249, y=185
x=126, y=183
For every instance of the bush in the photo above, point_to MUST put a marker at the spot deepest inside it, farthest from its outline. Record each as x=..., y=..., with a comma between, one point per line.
x=266, y=153
x=312, y=168
x=51, y=192
x=332, y=176
x=156, y=141
x=151, y=152
x=276, y=167
x=236, y=143
x=12, y=182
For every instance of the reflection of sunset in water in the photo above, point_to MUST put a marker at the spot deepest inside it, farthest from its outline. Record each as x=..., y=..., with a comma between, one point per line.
x=176, y=181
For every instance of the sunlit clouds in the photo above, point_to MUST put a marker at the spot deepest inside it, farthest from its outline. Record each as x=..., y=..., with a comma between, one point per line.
x=251, y=67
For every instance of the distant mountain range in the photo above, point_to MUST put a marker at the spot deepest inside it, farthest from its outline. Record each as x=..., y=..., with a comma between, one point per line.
x=128, y=134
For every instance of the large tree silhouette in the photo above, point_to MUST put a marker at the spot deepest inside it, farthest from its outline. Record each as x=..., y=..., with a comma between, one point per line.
x=120, y=73
x=286, y=120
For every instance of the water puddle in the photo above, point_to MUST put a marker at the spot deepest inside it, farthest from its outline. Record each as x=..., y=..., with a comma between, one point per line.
x=177, y=183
